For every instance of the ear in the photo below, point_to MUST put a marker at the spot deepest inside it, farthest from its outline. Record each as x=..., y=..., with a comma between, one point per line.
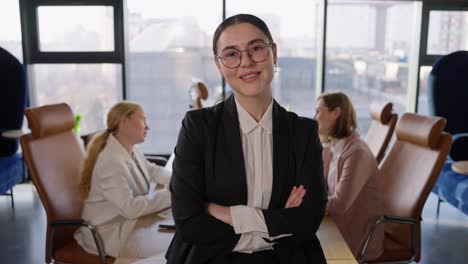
x=275, y=54
x=123, y=120
x=336, y=112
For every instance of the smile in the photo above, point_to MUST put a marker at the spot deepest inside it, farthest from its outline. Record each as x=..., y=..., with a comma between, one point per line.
x=250, y=76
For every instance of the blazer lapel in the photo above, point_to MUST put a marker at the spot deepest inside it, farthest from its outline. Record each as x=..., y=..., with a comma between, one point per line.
x=230, y=124
x=136, y=178
x=144, y=171
x=281, y=154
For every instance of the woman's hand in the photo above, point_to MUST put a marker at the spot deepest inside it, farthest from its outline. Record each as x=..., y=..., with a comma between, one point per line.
x=295, y=197
x=222, y=213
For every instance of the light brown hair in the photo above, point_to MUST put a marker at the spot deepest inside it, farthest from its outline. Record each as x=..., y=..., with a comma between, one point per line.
x=97, y=144
x=347, y=121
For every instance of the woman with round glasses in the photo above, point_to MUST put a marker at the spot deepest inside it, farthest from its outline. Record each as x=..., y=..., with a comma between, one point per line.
x=247, y=183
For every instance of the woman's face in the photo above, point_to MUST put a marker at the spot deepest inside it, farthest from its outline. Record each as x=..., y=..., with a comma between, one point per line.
x=326, y=119
x=249, y=79
x=134, y=128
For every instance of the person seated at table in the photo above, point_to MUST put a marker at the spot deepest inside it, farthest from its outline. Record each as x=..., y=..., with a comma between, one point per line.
x=122, y=190
x=351, y=174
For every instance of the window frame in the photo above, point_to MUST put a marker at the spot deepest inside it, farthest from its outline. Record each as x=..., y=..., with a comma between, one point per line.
x=426, y=59
x=33, y=54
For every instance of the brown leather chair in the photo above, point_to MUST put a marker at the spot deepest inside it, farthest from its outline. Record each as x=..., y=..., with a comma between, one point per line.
x=381, y=129
x=407, y=176
x=88, y=137
x=52, y=154
x=198, y=91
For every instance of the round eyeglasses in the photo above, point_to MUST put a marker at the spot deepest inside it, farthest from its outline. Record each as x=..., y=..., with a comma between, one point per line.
x=257, y=51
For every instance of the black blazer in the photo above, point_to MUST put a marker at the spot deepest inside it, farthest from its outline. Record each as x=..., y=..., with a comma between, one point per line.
x=209, y=167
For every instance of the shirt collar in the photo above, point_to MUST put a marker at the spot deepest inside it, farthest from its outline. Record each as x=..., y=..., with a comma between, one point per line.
x=248, y=123
x=338, y=146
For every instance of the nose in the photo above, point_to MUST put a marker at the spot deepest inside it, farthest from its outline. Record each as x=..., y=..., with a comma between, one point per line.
x=245, y=59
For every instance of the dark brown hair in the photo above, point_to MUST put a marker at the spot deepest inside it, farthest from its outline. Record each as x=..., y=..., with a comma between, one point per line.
x=238, y=19
x=346, y=122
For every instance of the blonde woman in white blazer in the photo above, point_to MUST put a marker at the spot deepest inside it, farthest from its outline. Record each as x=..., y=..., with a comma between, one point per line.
x=120, y=188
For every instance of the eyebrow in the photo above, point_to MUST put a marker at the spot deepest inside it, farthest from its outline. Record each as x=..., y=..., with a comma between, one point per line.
x=236, y=47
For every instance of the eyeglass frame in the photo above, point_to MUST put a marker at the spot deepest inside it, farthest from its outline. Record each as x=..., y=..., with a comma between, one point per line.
x=269, y=45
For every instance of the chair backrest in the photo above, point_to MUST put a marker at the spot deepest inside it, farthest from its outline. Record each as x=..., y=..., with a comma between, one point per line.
x=198, y=91
x=88, y=137
x=411, y=167
x=53, y=156
x=381, y=129
x=410, y=170
x=448, y=91
x=12, y=99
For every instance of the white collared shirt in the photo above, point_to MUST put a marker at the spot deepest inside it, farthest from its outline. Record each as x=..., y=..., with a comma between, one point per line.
x=257, y=146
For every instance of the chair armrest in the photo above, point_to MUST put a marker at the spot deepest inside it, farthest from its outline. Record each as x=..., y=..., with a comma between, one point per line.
x=395, y=220
x=459, y=149
x=158, y=160
x=80, y=223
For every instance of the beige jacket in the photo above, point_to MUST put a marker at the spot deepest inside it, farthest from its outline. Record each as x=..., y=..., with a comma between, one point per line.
x=119, y=195
x=353, y=197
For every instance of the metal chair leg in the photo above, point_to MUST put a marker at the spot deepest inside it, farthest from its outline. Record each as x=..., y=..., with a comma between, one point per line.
x=10, y=193
x=438, y=206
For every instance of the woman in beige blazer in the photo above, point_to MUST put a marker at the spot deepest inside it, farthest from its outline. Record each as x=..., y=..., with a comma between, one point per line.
x=351, y=174
x=119, y=186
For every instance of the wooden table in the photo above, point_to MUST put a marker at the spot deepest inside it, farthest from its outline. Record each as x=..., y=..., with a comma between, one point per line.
x=334, y=246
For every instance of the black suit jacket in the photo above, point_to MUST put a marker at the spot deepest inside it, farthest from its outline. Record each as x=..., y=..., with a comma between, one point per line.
x=209, y=167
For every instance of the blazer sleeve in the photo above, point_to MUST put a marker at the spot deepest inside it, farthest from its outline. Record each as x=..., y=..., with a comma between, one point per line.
x=110, y=178
x=187, y=187
x=158, y=173
x=357, y=168
x=303, y=221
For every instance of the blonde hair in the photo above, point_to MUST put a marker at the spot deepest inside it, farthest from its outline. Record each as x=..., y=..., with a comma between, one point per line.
x=347, y=121
x=97, y=144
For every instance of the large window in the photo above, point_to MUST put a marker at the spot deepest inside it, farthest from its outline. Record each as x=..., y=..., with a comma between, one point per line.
x=77, y=47
x=367, y=52
x=75, y=51
x=169, y=48
x=76, y=28
x=10, y=33
x=295, y=30
x=89, y=89
x=447, y=32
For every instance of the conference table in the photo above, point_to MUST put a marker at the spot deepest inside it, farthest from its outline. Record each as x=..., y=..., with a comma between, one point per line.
x=334, y=246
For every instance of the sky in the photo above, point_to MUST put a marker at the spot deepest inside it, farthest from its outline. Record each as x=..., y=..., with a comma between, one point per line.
x=292, y=26
x=9, y=20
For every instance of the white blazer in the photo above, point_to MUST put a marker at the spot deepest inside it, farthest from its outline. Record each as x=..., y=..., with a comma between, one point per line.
x=119, y=195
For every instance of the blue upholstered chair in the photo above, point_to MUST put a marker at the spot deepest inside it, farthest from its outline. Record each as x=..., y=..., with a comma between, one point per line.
x=12, y=104
x=448, y=97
